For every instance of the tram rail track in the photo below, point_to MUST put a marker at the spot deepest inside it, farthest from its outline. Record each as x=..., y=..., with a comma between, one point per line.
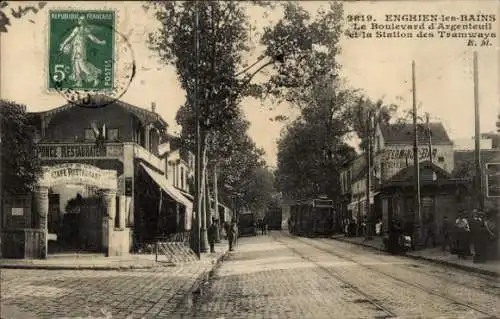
x=380, y=307
x=431, y=291
x=438, y=275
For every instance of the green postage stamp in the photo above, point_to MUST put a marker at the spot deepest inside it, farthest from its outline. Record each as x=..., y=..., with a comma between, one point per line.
x=81, y=50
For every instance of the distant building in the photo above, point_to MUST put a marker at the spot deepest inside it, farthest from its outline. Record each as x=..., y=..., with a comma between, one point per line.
x=488, y=141
x=490, y=167
x=393, y=148
x=393, y=152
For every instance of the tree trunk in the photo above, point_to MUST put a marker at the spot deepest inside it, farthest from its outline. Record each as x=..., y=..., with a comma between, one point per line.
x=207, y=199
x=203, y=219
x=216, y=204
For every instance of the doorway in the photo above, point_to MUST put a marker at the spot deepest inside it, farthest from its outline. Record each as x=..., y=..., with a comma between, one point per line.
x=75, y=219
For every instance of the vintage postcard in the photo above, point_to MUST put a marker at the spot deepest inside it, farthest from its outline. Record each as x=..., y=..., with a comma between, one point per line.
x=250, y=159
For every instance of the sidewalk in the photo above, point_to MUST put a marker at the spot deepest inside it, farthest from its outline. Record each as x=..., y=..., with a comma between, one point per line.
x=160, y=292
x=89, y=261
x=435, y=255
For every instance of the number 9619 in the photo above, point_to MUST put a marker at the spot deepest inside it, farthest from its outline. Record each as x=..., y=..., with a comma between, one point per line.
x=359, y=18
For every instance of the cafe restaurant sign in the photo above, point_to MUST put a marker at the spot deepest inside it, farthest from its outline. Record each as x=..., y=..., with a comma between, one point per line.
x=77, y=151
x=398, y=158
x=76, y=173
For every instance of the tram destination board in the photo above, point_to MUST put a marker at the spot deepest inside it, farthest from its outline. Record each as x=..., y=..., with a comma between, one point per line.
x=323, y=203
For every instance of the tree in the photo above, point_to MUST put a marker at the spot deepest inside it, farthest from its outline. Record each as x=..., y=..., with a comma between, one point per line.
x=16, y=12
x=307, y=46
x=259, y=190
x=221, y=45
x=365, y=115
x=312, y=150
x=20, y=163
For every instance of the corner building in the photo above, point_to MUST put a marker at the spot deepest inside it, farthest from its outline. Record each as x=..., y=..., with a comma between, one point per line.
x=104, y=186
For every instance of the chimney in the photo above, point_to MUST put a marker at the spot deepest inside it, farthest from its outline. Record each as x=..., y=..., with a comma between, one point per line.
x=153, y=107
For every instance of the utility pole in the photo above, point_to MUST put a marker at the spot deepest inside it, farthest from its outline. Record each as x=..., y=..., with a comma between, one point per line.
x=195, y=227
x=418, y=215
x=477, y=150
x=368, y=176
x=429, y=135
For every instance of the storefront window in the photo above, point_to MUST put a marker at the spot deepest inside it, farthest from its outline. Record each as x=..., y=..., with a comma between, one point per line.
x=113, y=134
x=89, y=134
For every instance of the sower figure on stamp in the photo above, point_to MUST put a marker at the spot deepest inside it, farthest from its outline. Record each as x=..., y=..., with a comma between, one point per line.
x=212, y=235
x=76, y=45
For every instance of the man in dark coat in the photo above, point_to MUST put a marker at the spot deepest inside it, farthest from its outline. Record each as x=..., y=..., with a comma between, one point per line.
x=395, y=231
x=446, y=233
x=232, y=234
x=212, y=235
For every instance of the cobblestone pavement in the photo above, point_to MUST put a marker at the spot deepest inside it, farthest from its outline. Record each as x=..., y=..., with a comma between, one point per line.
x=151, y=293
x=280, y=276
x=275, y=276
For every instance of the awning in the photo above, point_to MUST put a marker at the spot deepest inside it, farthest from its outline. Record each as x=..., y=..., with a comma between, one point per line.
x=191, y=197
x=187, y=195
x=170, y=190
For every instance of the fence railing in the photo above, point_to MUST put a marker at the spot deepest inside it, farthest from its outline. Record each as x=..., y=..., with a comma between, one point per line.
x=167, y=246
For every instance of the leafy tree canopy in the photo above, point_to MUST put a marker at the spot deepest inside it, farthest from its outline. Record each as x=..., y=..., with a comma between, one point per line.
x=20, y=163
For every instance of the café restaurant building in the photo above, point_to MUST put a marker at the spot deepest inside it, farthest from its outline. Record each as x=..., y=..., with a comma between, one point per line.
x=103, y=187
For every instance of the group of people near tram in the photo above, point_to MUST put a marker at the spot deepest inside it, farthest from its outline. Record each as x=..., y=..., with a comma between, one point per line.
x=262, y=226
x=473, y=234
x=353, y=228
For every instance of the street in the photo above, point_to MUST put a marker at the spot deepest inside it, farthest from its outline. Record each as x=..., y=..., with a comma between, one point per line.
x=282, y=277
x=270, y=276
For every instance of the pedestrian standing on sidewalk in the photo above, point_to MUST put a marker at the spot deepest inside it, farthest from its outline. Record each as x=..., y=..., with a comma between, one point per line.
x=232, y=234
x=492, y=234
x=430, y=234
x=378, y=227
x=463, y=232
x=212, y=235
x=445, y=232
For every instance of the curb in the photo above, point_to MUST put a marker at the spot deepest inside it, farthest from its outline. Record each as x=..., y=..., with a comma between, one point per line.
x=436, y=261
x=205, y=275
x=85, y=267
x=59, y=267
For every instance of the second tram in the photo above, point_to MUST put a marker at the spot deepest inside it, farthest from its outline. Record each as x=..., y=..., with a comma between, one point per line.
x=312, y=218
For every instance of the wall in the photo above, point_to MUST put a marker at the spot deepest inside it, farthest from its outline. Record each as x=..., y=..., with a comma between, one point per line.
x=178, y=171
x=17, y=212
x=121, y=242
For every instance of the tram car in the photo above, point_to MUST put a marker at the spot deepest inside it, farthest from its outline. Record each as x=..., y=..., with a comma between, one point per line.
x=274, y=218
x=312, y=218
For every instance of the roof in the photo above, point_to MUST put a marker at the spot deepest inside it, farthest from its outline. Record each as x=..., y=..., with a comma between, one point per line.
x=402, y=133
x=406, y=174
x=467, y=157
x=142, y=114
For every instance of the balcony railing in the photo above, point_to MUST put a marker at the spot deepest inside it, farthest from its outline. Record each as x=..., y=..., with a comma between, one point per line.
x=143, y=154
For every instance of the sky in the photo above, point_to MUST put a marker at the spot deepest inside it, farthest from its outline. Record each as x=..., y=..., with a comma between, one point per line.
x=380, y=67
